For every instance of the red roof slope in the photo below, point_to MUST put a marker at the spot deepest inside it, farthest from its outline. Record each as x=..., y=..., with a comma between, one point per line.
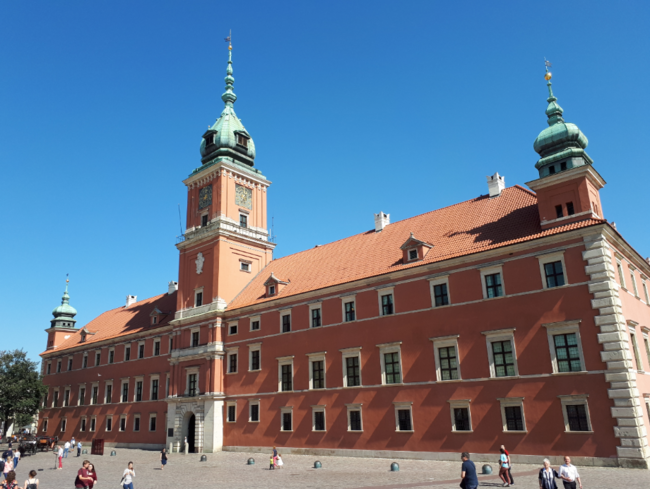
x=469, y=227
x=125, y=320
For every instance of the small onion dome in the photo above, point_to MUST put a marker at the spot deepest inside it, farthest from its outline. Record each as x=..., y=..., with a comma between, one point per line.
x=65, y=309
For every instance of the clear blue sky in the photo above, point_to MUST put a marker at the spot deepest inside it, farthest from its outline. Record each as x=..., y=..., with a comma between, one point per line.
x=355, y=107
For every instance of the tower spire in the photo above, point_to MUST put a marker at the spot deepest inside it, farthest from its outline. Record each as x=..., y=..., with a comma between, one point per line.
x=553, y=111
x=229, y=96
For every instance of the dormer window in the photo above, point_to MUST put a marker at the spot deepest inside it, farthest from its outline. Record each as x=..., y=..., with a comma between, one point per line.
x=563, y=166
x=551, y=170
x=154, y=320
x=271, y=289
x=414, y=249
x=242, y=140
x=209, y=139
x=413, y=254
x=83, y=336
x=274, y=285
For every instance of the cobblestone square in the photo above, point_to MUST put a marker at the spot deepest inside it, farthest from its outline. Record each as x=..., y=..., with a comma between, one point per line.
x=229, y=469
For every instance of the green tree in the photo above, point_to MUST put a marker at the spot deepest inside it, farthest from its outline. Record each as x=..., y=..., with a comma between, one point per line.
x=21, y=387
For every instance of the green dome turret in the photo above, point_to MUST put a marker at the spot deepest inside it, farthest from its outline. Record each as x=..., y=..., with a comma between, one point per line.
x=561, y=145
x=228, y=137
x=65, y=313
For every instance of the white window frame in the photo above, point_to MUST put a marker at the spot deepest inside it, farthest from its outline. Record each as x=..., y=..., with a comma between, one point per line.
x=139, y=378
x=236, y=325
x=192, y=331
x=501, y=335
x=550, y=258
x=635, y=289
x=574, y=400
x=230, y=351
x=127, y=382
x=400, y=406
x=243, y=264
x=64, y=424
x=288, y=360
x=509, y=402
x=440, y=280
x=71, y=364
x=83, y=423
x=408, y=254
x=119, y=425
x=252, y=320
x=153, y=416
x=96, y=363
x=106, y=428
x=154, y=320
x=620, y=272
x=286, y=312
x=350, y=353
x=634, y=346
x=385, y=348
x=137, y=417
x=283, y=410
x=68, y=391
x=564, y=327
x=109, y=356
x=55, y=397
x=84, y=361
x=460, y=404
x=106, y=384
x=197, y=291
x=317, y=357
x=644, y=286
x=59, y=365
x=355, y=407
x=345, y=300
x=151, y=379
x=82, y=386
x=48, y=368
x=45, y=420
x=189, y=371
x=318, y=409
x=491, y=270
x=92, y=427
x=382, y=292
x=90, y=399
x=230, y=404
x=144, y=350
x=444, y=342
x=316, y=305
x=153, y=351
x=251, y=348
x=247, y=216
x=254, y=402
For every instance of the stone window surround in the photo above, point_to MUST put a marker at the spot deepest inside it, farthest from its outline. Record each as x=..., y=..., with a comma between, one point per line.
x=55, y=396
x=189, y=371
x=123, y=381
x=442, y=342
x=491, y=270
x=287, y=360
x=550, y=258
x=92, y=427
x=457, y=404
x=500, y=335
x=251, y=348
x=319, y=408
x=66, y=390
x=199, y=290
x=564, y=327
x=348, y=353
x=106, y=428
x=137, y=417
x=83, y=423
x=81, y=386
x=151, y=379
x=69, y=362
x=64, y=424
x=316, y=305
x=382, y=292
x=232, y=350
x=90, y=398
x=153, y=351
x=283, y=410
x=243, y=262
x=106, y=399
x=619, y=270
x=136, y=379
x=439, y=280
x=45, y=420
x=631, y=268
x=355, y=407
x=399, y=406
x=119, y=426
x=509, y=402
x=144, y=353
x=645, y=334
x=317, y=357
x=153, y=416
x=228, y=405
x=230, y=324
x=254, y=402
x=575, y=399
x=636, y=353
x=196, y=329
x=344, y=300
x=644, y=286
x=84, y=360
x=286, y=312
x=385, y=348
x=253, y=319
x=58, y=366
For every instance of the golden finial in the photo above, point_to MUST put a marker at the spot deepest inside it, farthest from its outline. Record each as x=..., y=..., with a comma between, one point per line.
x=548, y=74
x=229, y=40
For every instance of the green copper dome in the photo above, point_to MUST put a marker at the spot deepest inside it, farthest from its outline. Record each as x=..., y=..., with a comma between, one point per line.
x=65, y=311
x=561, y=145
x=228, y=136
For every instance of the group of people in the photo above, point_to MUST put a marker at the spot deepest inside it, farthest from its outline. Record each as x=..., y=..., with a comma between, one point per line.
x=276, y=460
x=61, y=451
x=568, y=473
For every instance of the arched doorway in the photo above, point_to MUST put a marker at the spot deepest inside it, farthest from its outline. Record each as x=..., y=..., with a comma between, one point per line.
x=191, y=429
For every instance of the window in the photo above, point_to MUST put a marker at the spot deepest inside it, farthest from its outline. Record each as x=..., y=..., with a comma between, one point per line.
x=501, y=353
x=316, y=370
x=93, y=423
x=49, y=368
x=232, y=328
x=413, y=255
x=349, y=313
x=85, y=361
x=198, y=298
x=204, y=220
x=154, y=320
x=82, y=396
x=55, y=400
x=493, y=285
x=141, y=350
x=445, y=350
x=243, y=220
x=647, y=347
x=576, y=413
x=109, y=394
x=152, y=422
x=209, y=139
x=232, y=363
x=558, y=211
x=354, y=417
x=123, y=423
x=244, y=266
x=633, y=280
x=138, y=391
x=111, y=355
x=255, y=323
x=552, y=269
x=195, y=338
x=621, y=278
x=136, y=422
x=318, y=418
x=45, y=425
x=98, y=357
x=286, y=415
x=569, y=209
x=109, y=423
x=127, y=353
x=351, y=367
x=254, y=411
x=125, y=391
x=156, y=348
x=271, y=289
x=286, y=322
x=82, y=426
x=391, y=371
x=403, y=416
x=551, y=170
x=460, y=415
x=66, y=398
x=440, y=295
x=635, y=347
x=242, y=140
x=315, y=312
x=285, y=371
x=154, y=389
x=386, y=304
x=567, y=353
x=191, y=384
x=512, y=414
x=94, y=394
x=254, y=356
x=64, y=423
x=58, y=367
x=231, y=413
x=563, y=166
x=171, y=343
x=70, y=359
x=645, y=291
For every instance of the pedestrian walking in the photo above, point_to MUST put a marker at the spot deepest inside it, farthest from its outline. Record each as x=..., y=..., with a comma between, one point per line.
x=272, y=463
x=569, y=475
x=60, y=453
x=81, y=482
x=91, y=475
x=279, y=461
x=163, y=459
x=512, y=481
x=503, y=468
x=32, y=482
x=127, y=477
x=469, y=479
x=547, y=476
x=10, y=481
x=16, y=458
x=79, y=449
x=66, y=449
x=9, y=466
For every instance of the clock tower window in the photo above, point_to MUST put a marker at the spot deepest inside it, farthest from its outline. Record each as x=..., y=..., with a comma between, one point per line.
x=243, y=220
x=198, y=298
x=204, y=220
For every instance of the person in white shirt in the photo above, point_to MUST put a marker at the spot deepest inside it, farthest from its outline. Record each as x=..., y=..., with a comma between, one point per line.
x=66, y=449
x=569, y=475
x=127, y=477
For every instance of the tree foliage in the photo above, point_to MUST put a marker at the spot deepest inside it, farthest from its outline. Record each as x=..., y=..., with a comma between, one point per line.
x=21, y=387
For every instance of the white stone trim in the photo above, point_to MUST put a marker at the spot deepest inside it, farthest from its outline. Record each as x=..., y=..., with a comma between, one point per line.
x=317, y=357
x=399, y=406
x=318, y=409
x=229, y=353
x=106, y=427
x=491, y=270
x=230, y=325
x=575, y=399
x=355, y=407
x=440, y=280
x=283, y=410
x=151, y=380
x=251, y=348
x=442, y=342
x=284, y=361
x=344, y=300
x=501, y=335
x=460, y=404
x=153, y=416
x=564, y=327
x=286, y=312
x=252, y=319
x=230, y=404
x=351, y=353
x=192, y=331
x=510, y=402
x=251, y=403
x=382, y=292
x=312, y=306
x=384, y=349
x=551, y=258
x=199, y=290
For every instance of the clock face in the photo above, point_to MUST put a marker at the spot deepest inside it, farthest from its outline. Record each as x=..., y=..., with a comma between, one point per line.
x=205, y=197
x=243, y=197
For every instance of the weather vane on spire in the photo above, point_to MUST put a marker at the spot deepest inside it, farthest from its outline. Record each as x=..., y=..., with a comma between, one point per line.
x=67, y=278
x=548, y=74
x=229, y=39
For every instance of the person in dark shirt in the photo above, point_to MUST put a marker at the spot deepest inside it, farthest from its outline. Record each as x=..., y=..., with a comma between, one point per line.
x=468, y=473
x=82, y=480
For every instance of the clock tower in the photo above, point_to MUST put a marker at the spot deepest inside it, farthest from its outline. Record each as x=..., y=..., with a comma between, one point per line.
x=226, y=242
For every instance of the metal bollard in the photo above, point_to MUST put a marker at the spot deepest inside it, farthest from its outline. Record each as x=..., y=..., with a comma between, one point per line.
x=317, y=464
x=486, y=469
x=394, y=467
x=113, y=453
x=204, y=458
x=84, y=452
x=250, y=461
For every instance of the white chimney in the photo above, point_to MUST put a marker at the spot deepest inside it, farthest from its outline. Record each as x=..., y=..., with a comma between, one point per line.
x=131, y=299
x=496, y=184
x=381, y=221
x=173, y=287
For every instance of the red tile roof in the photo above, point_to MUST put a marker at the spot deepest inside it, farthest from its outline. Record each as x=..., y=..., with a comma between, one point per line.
x=469, y=227
x=124, y=320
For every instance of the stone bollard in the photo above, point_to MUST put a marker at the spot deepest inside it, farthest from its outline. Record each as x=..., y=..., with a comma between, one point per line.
x=250, y=461
x=486, y=469
x=317, y=464
x=394, y=467
x=187, y=448
x=113, y=453
x=84, y=452
x=171, y=447
x=204, y=458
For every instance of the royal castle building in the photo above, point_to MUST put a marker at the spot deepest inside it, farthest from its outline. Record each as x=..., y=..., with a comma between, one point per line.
x=519, y=317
